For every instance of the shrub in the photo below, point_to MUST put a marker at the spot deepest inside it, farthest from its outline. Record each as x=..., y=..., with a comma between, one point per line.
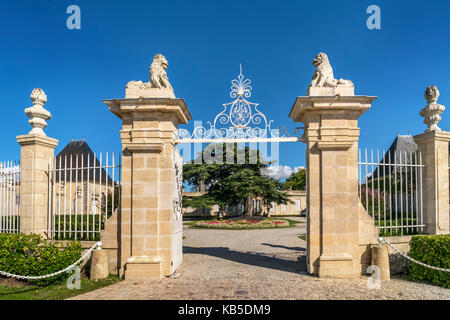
x=433, y=250
x=31, y=255
x=242, y=224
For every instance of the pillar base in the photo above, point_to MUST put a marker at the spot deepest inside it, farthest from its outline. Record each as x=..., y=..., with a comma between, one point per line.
x=337, y=265
x=143, y=268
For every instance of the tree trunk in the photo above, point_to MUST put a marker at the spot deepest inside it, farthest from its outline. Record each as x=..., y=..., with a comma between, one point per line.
x=248, y=207
x=268, y=211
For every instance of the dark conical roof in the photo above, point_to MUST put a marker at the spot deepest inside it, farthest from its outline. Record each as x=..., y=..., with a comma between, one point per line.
x=76, y=147
x=78, y=155
x=399, y=152
x=402, y=144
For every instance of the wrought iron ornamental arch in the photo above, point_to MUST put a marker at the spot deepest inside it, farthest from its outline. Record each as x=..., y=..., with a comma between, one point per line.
x=239, y=121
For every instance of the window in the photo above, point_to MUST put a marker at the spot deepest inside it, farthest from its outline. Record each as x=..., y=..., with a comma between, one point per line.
x=283, y=208
x=272, y=207
x=297, y=205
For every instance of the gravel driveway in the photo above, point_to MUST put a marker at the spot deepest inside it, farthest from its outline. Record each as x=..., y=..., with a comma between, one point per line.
x=255, y=264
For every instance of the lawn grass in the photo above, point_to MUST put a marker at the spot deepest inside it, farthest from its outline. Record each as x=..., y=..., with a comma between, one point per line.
x=302, y=236
x=293, y=222
x=58, y=291
x=286, y=216
x=192, y=224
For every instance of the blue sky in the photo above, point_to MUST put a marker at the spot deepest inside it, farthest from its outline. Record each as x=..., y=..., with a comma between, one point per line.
x=205, y=41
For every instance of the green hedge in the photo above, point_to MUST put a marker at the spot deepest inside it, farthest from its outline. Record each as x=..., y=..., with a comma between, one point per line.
x=69, y=224
x=31, y=255
x=434, y=251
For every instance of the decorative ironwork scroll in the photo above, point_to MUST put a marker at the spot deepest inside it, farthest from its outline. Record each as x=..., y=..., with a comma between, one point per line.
x=240, y=120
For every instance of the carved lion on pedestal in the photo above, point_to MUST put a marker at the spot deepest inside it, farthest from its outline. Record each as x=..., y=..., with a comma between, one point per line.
x=323, y=76
x=158, y=75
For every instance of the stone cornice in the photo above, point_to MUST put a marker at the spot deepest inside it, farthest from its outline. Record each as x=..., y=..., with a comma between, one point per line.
x=30, y=139
x=334, y=145
x=126, y=107
x=443, y=136
x=323, y=105
x=155, y=147
x=144, y=259
x=344, y=256
x=324, y=134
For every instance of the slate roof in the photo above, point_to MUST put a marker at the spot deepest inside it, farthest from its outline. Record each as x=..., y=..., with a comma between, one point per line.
x=85, y=154
x=402, y=146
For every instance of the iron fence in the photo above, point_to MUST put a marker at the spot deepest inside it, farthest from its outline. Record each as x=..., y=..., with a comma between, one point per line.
x=390, y=189
x=84, y=191
x=9, y=197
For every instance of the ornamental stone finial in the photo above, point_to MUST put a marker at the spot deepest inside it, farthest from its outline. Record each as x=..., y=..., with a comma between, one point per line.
x=431, y=94
x=37, y=114
x=431, y=112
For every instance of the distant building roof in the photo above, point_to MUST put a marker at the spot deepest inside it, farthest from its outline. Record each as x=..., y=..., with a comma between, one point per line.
x=80, y=155
x=403, y=143
x=400, y=150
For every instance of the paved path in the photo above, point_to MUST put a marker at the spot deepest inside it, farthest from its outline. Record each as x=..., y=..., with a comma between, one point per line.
x=255, y=264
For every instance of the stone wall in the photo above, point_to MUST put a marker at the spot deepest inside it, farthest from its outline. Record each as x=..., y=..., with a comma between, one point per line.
x=397, y=263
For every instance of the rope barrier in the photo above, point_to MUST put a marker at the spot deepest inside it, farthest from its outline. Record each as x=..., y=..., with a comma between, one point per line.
x=381, y=240
x=98, y=244
x=10, y=275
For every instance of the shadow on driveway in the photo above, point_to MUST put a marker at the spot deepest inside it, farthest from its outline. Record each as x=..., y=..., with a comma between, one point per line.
x=251, y=258
x=284, y=247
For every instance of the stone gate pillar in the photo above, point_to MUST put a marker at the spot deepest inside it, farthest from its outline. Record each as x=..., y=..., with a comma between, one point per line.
x=433, y=145
x=150, y=116
x=339, y=231
x=36, y=153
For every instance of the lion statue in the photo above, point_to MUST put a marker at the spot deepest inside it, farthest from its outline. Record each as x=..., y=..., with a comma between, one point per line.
x=323, y=75
x=158, y=75
x=157, y=87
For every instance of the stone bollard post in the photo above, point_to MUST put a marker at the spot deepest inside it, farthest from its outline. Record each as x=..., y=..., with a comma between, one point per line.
x=99, y=264
x=380, y=258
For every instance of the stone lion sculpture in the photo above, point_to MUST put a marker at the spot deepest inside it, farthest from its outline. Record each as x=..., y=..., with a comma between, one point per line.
x=158, y=75
x=158, y=86
x=323, y=75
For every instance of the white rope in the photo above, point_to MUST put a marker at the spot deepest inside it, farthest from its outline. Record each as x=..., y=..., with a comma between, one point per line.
x=381, y=240
x=10, y=275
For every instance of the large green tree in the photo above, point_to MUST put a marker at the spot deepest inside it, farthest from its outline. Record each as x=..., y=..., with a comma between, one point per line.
x=297, y=181
x=231, y=176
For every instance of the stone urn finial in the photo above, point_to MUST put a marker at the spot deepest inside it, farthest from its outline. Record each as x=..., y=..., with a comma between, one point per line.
x=37, y=114
x=431, y=112
x=432, y=94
